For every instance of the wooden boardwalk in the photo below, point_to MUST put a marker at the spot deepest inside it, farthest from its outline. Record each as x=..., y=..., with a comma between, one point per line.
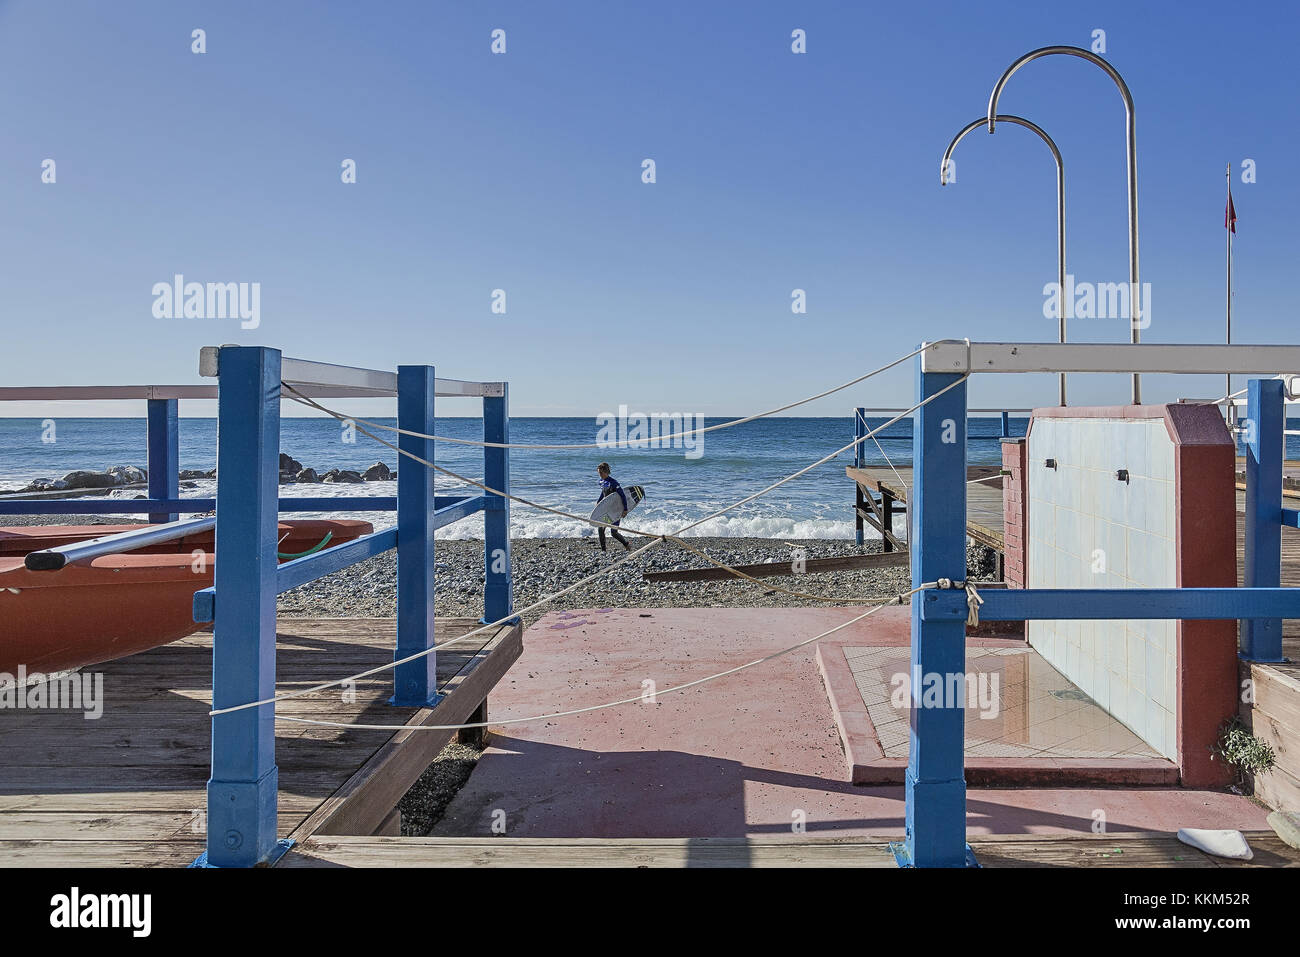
x=983, y=496
x=130, y=786
x=1113, y=851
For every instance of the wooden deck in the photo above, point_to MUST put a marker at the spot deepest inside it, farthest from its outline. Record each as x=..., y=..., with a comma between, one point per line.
x=1115, y=851
x=129, y=787
x=1090, y=851
x=983, y=496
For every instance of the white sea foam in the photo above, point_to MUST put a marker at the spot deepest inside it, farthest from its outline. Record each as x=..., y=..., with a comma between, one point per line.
x=754, y=521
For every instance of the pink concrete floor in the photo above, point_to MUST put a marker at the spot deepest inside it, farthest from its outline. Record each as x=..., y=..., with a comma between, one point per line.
x=747, y=755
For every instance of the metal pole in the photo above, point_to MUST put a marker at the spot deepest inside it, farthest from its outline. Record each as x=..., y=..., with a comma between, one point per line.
x=860, y=430
x=415, y=684
x=1135, y=288
x=498, y=600
x=935, y=782
x=164, y=458
x=1060, y=212
x=1228, y=339
x=1261, y=638
x=242, y=792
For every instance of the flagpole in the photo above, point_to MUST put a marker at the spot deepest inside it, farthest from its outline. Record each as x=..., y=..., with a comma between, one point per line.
x=1228, y=392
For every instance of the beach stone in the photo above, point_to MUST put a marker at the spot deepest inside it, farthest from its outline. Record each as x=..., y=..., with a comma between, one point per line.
x=85, y=479
x=1221, y=843
x=342, y=476
x=1287, y=826
x=307, y=475
x=193, y=474
x=289, y=464
x=128, y=474
x=378, y=472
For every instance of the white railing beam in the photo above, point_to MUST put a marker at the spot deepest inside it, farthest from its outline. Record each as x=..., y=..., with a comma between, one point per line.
x=1195, y=359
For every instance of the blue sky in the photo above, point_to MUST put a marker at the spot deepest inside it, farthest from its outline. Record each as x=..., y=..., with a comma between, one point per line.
x=522, y=172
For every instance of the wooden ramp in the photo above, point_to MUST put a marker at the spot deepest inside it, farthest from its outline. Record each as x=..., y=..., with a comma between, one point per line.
x=130, y=787
x=983, y=499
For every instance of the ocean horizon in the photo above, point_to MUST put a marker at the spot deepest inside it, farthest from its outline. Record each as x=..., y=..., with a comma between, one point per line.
x=680, y=488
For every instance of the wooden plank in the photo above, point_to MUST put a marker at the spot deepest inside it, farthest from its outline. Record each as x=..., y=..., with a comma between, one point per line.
x=360, y=805
x=99, y=853
x=769, y=569
x=108, y=786
x=1116, y=851
x=984, y=519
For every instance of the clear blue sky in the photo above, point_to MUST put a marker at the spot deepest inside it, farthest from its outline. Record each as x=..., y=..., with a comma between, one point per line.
x=522, y=172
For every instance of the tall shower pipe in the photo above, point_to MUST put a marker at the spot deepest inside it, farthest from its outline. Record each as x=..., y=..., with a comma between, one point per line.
x=1135, y=298
x=1060, y=209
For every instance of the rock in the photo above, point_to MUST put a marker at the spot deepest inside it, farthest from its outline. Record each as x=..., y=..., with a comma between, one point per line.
x=129, y=474
x=289, y=464
x=378, y=472
x=1287, y=826
x=194, y=474
x=342, y=476
x=1221, y=843
x=83, y=479
x=307, y=475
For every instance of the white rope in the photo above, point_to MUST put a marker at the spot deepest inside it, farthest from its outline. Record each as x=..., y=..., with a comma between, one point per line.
x=609, y=704
x=973, y=599
x=602, y=445
x=546, y=600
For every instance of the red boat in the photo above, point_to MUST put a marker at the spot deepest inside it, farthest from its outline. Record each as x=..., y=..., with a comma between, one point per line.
x=99, y=609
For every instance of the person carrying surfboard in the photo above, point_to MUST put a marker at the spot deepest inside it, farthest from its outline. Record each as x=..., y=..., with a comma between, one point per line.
x=609, y=486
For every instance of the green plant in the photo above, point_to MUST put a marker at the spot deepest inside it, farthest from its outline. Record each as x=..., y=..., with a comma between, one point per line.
x=1242, y=750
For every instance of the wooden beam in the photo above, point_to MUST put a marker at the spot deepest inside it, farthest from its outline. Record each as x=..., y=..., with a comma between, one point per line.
x=771, y=569
x=366, y=798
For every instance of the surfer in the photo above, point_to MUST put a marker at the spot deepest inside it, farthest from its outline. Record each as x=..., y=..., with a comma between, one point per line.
x=609, y=486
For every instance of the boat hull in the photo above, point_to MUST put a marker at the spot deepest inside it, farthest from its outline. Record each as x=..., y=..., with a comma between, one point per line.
x=116, y=605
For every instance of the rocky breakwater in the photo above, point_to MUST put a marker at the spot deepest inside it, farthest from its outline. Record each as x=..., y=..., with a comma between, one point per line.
x=291, y=470
x=134, y=476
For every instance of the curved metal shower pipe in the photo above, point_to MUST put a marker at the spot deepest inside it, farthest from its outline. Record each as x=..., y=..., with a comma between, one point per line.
x=1135, y=289
x=1060, y=209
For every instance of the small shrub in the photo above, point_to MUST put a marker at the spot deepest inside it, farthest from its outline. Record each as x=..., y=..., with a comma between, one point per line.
x=1242, y=750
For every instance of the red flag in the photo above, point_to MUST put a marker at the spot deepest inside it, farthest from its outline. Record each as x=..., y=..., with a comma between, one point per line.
x=1230, y=214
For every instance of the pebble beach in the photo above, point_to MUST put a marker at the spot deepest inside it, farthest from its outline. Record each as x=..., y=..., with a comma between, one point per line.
x=543, y=566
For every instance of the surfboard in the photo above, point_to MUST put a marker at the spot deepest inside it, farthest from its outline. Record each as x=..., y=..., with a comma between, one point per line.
x=610, y=508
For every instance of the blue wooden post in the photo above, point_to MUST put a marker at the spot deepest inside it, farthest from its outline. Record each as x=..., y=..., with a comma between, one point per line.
x=498, y=585
x=1006, y=425
x=415, y=684
x=1261, y=638
x=241, y=826
x=935, y=783
x=164, y=454
x=859, y=431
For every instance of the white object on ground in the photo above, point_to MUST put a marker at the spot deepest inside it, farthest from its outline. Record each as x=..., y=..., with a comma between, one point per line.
x=1225, y=843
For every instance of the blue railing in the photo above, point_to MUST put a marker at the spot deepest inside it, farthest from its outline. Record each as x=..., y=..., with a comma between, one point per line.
x=242, y=791
x=163, y=443
x=935, y=782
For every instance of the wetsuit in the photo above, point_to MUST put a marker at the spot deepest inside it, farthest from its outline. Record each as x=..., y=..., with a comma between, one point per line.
x=609, y=486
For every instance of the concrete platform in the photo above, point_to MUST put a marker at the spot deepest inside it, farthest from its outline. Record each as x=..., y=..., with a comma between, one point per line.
x=1026, y=723
x=751, y=755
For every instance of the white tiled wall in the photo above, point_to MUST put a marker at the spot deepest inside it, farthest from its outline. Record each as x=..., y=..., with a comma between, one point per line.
x=1087, y=529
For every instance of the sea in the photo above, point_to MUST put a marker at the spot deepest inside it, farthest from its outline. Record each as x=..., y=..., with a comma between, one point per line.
x=680, y=486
